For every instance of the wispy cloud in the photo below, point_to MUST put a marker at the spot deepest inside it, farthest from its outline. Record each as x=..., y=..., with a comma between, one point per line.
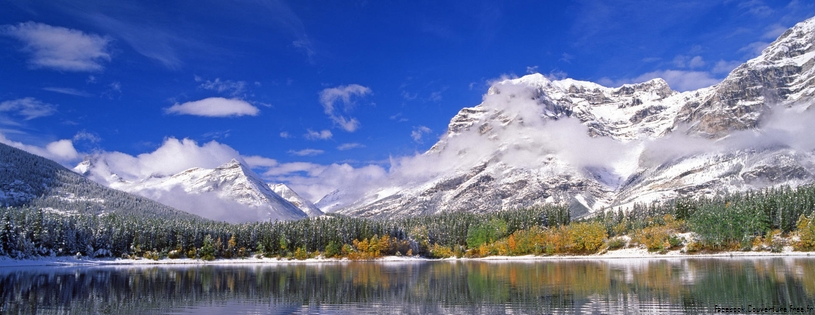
x=60, y=48
x=282, y=15
x=756, y=7
x=214, y=107
x=28, y=107
x=419, y=132
x=157, y=43
x=398, y=117
x=349, y=146
x=725, y=66
x=233, y=88
x=754, y=48
x=773, y=31
x=68, y=91
x=329, y=98
x=318, y=135
x=285, y=135
x=683, y=61
x=306, y=152
x=220, y=134
x=87, y=136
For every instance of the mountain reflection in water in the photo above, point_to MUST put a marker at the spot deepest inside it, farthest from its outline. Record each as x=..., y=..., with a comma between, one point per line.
x=540, y=287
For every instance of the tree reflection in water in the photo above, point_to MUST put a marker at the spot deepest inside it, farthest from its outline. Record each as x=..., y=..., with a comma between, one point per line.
x=559, y=287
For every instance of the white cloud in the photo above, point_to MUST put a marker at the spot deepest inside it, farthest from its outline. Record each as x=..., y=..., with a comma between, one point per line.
x=28, y=107
x=259, y=161
x=313, y=181
x=60, y=48
x=306, y=152
x=62, y=151
x=696, y=62
x=349, y=146
x=214, y=107
x=171, y=157
x=68, y=91
x=285, y=135
x=294, y=167
x=318, y=135
x=419, y=132
x=344, y=94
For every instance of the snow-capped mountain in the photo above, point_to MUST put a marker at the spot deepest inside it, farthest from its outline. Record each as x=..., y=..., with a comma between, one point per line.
x=291, y=196
x=533, y=141
x=230, y=192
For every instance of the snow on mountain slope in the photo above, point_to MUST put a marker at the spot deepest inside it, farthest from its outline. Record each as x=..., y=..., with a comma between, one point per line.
x=533, y=141
x=30, y=180
x=287, y=193
x=331, y=201
x=230, y=192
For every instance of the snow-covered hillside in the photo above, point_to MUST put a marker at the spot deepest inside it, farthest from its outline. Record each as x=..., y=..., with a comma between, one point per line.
x=291, y=196
x=30, y=180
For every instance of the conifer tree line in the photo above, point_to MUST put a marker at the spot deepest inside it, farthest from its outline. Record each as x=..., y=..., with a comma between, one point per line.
x=726, y=221
x=32, y=231
x=729, y=222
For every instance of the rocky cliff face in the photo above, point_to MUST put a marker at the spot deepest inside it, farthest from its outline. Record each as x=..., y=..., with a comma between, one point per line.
x=782, y=76
x=533, y=141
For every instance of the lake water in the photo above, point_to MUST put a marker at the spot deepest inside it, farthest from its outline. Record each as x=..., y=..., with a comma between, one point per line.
x=630, y=286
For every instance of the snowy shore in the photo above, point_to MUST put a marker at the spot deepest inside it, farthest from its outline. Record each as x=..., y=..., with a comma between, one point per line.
x=625, y=253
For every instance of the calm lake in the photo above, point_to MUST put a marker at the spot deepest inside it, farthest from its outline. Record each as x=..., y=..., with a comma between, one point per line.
x=630, y=286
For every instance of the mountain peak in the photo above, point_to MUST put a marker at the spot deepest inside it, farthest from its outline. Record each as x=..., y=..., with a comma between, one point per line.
x=233, y=163
x=291, y=196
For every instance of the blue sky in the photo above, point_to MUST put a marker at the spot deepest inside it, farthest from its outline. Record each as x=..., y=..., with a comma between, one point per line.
x=312, y=91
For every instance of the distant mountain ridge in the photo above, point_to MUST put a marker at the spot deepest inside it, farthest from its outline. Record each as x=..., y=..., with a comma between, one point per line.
x=231, y=192
x=30, y=180
x=534, y=141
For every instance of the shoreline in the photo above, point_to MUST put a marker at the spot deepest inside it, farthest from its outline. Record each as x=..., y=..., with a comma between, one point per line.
x=620, y=254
